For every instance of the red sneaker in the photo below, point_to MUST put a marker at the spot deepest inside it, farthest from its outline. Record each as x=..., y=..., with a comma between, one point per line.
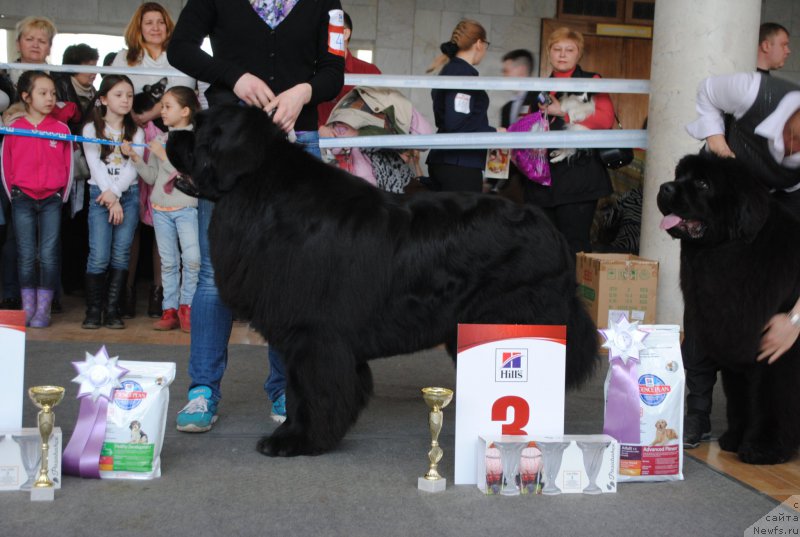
x=168, y=320
x=185, y=317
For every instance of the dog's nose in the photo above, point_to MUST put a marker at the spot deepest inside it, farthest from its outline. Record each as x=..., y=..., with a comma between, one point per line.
x=667, y=189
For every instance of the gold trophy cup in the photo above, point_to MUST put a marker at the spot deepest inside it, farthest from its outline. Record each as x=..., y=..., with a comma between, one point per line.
x=45, y=397
x=436, y=399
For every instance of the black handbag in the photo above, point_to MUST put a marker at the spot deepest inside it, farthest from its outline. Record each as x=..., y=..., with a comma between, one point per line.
x=615, y=158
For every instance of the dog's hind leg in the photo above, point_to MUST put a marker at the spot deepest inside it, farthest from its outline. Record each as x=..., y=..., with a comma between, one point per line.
x=737, y=395
x=324, y=395
x=771, y=433
x=582, y=355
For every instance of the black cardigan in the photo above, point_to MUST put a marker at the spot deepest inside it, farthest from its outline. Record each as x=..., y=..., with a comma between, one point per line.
x=296, y=51
x=448, y=120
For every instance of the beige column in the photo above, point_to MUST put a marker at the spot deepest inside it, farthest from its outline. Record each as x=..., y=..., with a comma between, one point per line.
x=691, y=41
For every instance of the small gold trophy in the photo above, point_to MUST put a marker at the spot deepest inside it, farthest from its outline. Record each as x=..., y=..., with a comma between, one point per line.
x=45, y=397
x=436, y=399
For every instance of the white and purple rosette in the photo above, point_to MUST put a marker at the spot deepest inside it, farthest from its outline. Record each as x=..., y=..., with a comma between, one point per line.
x=623, y=341
x=98, y=377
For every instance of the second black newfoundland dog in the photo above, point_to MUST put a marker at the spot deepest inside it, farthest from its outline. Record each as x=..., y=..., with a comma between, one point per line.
x=334, y=272
x=740, y=265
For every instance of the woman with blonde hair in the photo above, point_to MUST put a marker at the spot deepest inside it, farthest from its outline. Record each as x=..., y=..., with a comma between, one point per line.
x=460, y=111
x=34, y=39
x=580, y=179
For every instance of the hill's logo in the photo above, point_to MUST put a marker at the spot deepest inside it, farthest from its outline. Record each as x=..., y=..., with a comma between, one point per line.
x=653, y=390
x=130, y=395
x=511, y=365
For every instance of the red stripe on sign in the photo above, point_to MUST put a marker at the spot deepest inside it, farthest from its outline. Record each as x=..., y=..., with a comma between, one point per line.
x=12, y=319
x=472, y=335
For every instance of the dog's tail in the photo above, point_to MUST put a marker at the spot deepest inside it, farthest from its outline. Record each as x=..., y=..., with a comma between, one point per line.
x=582, y=345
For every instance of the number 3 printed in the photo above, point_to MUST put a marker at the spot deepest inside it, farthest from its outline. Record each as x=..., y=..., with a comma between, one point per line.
x=522, y=413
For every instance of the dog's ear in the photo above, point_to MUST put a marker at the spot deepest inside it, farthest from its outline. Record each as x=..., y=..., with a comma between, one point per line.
x=753, y=208
x=180, y=150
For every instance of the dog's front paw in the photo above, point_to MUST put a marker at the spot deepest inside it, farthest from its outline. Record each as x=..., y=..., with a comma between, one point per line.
x=286, y=442
x=729, y=441
x=763, y=453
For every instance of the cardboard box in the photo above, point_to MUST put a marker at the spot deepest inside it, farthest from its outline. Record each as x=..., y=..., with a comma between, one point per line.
x=612, y=284
x=574, y=461
x=20, y=458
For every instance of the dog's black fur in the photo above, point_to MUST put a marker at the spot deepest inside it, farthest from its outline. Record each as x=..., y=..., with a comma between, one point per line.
x=740, y=266
x=334, y=272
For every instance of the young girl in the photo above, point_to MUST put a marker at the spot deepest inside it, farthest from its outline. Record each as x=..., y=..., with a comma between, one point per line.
x=37, y=176
x=174, y=213
x=113, y=200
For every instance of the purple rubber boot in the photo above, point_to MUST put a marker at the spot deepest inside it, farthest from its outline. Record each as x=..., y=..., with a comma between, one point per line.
x=44, y=298
x=28, y=296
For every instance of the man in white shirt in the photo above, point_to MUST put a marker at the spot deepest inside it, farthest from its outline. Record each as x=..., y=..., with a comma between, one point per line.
x=763, y=133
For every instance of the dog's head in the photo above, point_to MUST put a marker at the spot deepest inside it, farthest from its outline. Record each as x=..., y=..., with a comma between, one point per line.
x=661, y=425
x=149, y=96
x=228, y=143
x=135, y=425
x=712, y=200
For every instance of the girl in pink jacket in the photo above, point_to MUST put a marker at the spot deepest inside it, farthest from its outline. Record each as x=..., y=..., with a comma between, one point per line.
x=37, y=173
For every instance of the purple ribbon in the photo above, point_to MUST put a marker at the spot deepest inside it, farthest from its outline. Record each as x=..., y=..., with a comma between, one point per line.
x=98, y=376
x=82, y=455
x=622, y=401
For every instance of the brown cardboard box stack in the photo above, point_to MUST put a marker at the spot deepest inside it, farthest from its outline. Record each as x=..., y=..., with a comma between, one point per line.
x=610, y=284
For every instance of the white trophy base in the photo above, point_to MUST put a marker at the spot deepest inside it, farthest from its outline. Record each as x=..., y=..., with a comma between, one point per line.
x=432, y=485
x=43, y=494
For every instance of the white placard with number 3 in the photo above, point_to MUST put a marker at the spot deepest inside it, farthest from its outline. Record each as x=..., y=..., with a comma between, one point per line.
x=510, y=381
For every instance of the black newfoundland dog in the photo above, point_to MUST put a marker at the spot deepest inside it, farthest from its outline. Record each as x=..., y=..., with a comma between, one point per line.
x=740, y=265
x=334, y=272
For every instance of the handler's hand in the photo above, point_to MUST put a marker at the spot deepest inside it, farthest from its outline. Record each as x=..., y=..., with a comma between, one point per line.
x=253, y=91
x=552, y=109
x=717, y=144
x=779, y=336
x=288, y=104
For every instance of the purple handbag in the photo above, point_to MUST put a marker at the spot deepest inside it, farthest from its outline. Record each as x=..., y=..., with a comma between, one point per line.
x=532, y=162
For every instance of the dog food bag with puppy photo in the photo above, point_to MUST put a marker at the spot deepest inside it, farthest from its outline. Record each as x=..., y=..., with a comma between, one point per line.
x=136, y=420
x=644, y=391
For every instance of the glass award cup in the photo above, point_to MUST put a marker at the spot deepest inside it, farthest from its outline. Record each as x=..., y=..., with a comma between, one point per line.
x=552, y=453
x=510, y=452
x=45, y=397
x=494, y=470
x=530, y=464
x=592, y=461
x=29, y=451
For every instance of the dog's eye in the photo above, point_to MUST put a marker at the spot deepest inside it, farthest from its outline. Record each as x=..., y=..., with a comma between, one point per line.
x=701, y=184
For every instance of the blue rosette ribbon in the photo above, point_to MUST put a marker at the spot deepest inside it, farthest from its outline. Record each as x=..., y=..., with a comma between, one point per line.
x=98, y=377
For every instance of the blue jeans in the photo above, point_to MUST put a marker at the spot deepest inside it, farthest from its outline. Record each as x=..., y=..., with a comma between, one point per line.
x=178, y=242
x=110, y=245
x=38, y=228
x=208, y=354
x=8, y=255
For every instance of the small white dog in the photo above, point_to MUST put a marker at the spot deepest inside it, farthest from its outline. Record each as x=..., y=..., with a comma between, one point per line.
x=579, y=107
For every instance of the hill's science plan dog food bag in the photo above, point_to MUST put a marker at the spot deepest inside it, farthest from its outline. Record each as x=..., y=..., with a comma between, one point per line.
x=655, y=451
x=136, y=420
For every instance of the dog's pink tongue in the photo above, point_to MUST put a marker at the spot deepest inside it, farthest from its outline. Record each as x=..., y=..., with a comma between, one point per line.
x=670, y=221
